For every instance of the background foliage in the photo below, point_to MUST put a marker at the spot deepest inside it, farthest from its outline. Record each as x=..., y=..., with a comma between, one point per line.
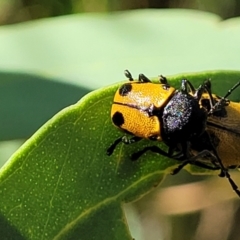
x=13, y=11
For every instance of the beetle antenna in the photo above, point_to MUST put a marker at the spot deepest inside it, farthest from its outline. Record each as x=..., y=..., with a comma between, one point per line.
x=232, y=89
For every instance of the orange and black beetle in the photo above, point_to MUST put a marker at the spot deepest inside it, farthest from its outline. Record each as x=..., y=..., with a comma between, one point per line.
x=157, y=111
x=198, y=127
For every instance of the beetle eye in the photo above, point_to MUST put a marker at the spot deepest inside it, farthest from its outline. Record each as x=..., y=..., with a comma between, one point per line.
x=125, y=89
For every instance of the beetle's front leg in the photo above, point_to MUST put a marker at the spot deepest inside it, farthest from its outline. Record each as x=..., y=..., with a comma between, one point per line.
x=123, y=139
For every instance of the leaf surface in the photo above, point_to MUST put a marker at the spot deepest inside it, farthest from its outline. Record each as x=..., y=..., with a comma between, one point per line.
x=61, y=184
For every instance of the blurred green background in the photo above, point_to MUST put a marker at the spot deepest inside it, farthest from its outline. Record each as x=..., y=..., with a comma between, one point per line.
x=14, y=11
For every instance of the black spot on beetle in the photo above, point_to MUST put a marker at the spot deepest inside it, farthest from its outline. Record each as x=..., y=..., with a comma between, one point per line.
x=125, y=89
x=118, y=119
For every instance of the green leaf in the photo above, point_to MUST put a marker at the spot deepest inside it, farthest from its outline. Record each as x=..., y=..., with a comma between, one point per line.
x=61, y=178
x=61, y=184
x=28, y=101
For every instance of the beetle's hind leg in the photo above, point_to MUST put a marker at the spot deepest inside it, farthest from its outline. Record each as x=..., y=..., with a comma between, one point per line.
x=194, y=161
x=135, y=156
x=232, y=183
x=216, y=165
x=224, y=171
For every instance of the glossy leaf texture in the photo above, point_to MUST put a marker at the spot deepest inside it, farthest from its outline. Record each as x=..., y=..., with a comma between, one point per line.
x=61, y=184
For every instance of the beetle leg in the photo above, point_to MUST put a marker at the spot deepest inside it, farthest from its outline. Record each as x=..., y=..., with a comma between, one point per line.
x=124, y=140
x=194, y=161
x=232, y=89
x=143, y=78
x=163, y=80
x=206, y=86
x=223, y=101
x=232, y=183
x=113, y=146
x=186, y=84
x=128, y=75
x=197, y=93
x=224, y=173
x=135, y=156
x=187, y=158
x=127, y=140
x=179, y=167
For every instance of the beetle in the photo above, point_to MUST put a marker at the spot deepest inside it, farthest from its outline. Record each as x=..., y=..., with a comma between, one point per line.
x=182, y=119
x=157, y=111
